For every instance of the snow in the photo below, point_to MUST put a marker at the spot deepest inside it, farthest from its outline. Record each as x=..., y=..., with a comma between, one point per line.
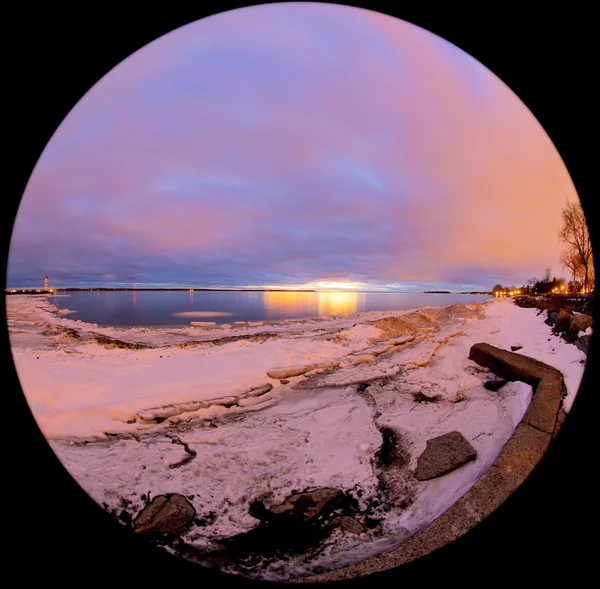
x=529, y=330
x=259, y=438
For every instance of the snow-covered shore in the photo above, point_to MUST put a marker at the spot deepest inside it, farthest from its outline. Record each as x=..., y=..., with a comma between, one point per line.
x=275, y=408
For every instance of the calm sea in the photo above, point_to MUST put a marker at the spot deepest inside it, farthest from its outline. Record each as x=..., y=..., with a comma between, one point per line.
x=179, y=308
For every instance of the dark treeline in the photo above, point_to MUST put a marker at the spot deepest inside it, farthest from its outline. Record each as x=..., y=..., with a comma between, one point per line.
x=545, y=285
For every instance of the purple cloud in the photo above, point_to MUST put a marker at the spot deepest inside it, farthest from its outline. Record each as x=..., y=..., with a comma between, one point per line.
x=286, y=143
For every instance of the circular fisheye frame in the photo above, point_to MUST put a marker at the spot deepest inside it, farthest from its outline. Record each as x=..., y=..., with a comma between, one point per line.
x=270, y=303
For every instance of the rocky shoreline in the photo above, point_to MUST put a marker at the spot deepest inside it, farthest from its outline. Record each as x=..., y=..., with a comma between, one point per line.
x=571, y=317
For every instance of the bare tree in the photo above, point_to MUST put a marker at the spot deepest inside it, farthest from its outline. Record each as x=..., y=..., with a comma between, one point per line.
x=575, y=234
x=547, y=277
x=570, y=260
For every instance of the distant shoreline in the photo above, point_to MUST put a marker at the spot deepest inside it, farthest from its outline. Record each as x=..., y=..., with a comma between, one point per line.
x=107, y=289
x=116, y=289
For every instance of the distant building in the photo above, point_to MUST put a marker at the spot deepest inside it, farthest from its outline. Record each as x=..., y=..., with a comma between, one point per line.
x=46, y=283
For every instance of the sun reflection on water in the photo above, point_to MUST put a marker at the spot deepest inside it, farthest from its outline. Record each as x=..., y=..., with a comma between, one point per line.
x=338, y=303
x=310, y=304
x=289, y=304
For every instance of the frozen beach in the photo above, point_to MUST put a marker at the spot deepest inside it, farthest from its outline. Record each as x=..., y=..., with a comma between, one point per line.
x=230, y=416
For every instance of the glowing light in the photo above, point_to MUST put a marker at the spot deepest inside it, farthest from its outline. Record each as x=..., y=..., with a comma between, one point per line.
x=337, y=303
x=310, y=304
x=289, y=304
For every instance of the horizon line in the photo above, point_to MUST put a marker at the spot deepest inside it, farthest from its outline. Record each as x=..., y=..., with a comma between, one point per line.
x=238, y=289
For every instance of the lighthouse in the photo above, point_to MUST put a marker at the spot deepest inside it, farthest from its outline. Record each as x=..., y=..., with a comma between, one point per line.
x=46, y=283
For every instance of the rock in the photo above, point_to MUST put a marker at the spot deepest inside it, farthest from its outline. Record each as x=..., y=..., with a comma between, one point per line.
x=583, y=343
x=515, y=348
x=308, y=506
x=563, y=321
x=552, y=316
x=164, y=514
x=349, y=524
x=443, y=455
x=495, y=384
x=579, y=322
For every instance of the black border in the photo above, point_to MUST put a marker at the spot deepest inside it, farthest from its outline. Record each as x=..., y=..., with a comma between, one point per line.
x=57, y=532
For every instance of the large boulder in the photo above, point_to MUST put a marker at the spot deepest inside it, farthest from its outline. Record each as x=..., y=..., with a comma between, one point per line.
x=563, y=321
x=164, y=514
x=583, y=342
x=444, y=454
x=579, y=322
x=552, y=316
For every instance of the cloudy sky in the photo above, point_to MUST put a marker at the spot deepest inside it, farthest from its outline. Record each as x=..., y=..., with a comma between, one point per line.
x=294, y=144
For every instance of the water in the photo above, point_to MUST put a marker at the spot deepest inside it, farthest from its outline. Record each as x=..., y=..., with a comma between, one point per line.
x=179, y=308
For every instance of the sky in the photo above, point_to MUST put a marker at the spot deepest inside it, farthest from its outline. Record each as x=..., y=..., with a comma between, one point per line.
x=294, y=145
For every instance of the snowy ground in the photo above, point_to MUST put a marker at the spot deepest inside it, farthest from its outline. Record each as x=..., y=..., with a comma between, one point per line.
x=275, y=408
